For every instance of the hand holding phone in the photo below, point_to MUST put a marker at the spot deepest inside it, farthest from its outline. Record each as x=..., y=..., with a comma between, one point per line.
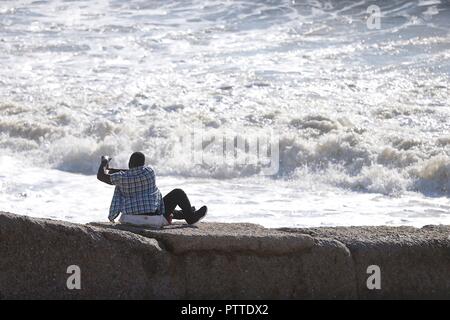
x=106, y=160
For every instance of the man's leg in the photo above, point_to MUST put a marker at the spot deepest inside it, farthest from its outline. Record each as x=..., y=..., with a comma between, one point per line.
x=178, y=214
x=174, y=198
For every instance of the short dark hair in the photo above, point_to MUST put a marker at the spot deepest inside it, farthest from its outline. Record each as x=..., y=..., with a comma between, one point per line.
x=137, y=159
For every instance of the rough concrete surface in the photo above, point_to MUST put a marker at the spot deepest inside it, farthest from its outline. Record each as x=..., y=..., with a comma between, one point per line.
x=219, y=261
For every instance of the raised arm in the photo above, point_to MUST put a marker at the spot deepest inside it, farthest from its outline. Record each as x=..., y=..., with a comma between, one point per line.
x=102, y=173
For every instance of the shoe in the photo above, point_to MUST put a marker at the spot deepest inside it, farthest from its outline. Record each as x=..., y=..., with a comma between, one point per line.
x=197, y=215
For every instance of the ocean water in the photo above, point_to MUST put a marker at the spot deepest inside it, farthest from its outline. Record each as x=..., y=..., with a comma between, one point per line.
x=360, y=113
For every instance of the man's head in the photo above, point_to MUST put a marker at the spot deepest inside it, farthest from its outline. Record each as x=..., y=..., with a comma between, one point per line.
x=137, y=159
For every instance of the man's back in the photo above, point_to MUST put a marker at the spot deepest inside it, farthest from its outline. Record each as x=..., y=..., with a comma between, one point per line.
x=135, y=181
x=136, y=193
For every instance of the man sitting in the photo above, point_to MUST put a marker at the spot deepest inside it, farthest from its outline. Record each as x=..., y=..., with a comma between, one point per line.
x=136, y=193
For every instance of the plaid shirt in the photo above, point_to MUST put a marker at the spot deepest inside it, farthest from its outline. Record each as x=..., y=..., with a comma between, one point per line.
x=136, y=193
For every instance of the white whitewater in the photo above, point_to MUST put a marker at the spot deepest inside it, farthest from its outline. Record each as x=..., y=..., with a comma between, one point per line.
x=361, y=114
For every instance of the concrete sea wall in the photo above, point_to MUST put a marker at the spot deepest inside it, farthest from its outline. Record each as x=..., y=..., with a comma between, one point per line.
x=220, y=261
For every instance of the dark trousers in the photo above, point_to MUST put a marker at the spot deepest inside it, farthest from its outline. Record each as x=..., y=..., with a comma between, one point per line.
x=174, y=198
